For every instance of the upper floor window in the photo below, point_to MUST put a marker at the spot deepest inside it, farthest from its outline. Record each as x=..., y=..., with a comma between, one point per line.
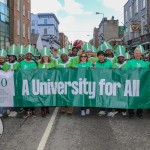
x=45, y=31
x=136, y=6
x=143, y=4
x=130, y=10
x=45, y=21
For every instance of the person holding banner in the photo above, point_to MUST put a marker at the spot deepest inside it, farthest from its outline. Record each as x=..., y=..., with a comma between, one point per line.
x=21, y=52
x=29, y=63
x=3, y=55
x=65, y=63
x=104, y=63
x=45, y=63
x=83, y=59
x=137, y=62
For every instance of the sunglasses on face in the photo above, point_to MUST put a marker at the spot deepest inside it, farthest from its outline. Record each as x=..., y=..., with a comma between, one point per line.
x=83, y=56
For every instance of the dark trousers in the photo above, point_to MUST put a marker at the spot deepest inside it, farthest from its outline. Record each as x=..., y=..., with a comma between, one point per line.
x=138, y=112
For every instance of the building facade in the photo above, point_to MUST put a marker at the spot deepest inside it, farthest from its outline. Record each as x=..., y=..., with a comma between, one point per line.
x=4, y=24
x=95, y=37
x=63, y=40
x=20, y=30
x=108, y=29
x=137, y=23
x=46, y=24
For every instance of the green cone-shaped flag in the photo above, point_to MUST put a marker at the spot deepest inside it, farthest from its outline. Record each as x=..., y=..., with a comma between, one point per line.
x=3, y=53
x=107, y=46
x=141, y=48
x=36, y=52
x=13, y=50
x=63, y=51
x=127, y=56
x=101, y=48
x=45, y=52
x=69, y=47
x=120, y=50
x=94, y=50
x=86, y=47
x=21, y=50
x=30, y=49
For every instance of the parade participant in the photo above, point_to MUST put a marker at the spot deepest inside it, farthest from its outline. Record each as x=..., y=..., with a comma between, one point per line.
x=21, y=53
x=12, y=65
x=127, y=57
x=83, y=62
x=45, y=63
x=54, y=53
x=37, y=55
x=104, y=63
x=3, y=55
x=66, y=63
x=29, y=63
x=120, y=64
x=137, y=62
x=108, y=52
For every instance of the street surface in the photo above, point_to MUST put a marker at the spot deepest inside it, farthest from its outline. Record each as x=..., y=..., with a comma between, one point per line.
x=76, y=132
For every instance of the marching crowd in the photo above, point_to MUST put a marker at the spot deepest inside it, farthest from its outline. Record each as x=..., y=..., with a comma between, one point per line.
x=105, y=56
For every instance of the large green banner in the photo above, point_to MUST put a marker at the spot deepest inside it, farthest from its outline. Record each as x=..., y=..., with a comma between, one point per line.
x=110, y=88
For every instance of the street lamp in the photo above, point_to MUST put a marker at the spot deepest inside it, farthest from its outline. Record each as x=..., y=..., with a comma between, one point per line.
x=98, y=13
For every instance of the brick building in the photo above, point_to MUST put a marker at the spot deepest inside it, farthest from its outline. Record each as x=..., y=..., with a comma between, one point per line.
x=95, y=37
x=63, y=40
x=20, y=22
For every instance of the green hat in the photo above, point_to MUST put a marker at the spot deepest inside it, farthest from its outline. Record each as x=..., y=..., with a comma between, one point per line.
x=127, y=56
x=3, y=53
x=45, y=52
x=13, y=50
x=86, y=47
x=21, y=50
x=63, y=51
x=94, y=50
x=107, y=46
x=101, y=48
x=36, y=52
x=141, y=48
x=30, y=49
x=120, y=50
x=69, y=47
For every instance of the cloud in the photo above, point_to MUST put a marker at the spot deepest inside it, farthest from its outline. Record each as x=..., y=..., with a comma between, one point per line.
x=74, y=8
x=45, y=6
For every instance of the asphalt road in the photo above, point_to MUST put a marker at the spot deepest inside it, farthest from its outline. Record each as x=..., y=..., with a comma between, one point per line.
x=77, y=133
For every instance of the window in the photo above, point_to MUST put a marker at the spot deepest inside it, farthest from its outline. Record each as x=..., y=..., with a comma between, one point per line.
x=45, y=31
x=130, y=10
x=126, y=16
x=29, y=33
x=28, y=14
x=45, y=21
x=136, y=6
x=143, y=23
x=24, y=28
x=33, y=31
x=18, y=5
x=18, y=27
x=33, y=23
x=143, y=4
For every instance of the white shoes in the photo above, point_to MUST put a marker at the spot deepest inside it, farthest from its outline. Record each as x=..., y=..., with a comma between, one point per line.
x=101, y=113
x=85, y=112
x=13, y=114
x=124, y=113
x=110, y=114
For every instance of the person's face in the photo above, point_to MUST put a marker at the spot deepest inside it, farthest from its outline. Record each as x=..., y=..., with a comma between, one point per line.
x=11, y=58
x=2, y=59
x=74, y=52
x=29, y=56
x=64, y=57
x=101, y=57
x=108, y=51
x=83, y=58
x=120, y=59
x=21, y=57
x=89, y=54
x=54, y=52
x=94, y=54
x=45, y=58
x=137, y=55
x=70, y=51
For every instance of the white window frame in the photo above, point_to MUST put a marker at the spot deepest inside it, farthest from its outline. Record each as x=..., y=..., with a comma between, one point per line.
x=18, y=27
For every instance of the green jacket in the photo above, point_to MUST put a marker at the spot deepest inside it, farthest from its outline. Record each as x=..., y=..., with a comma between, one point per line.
x=11, y=66
x=106, y=64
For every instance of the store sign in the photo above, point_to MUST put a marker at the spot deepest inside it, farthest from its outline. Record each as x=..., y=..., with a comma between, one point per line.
x=135, y=26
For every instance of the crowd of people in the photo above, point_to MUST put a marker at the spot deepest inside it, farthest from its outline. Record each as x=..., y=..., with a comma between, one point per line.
x=105, y=56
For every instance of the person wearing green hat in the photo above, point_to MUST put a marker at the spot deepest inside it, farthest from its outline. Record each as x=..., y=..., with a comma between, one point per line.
x=127, y=57
x=45, y=62
x=65, y=63
x=74, y=56
x=83, y=63
x=29, y=63
x=21, y=52
x=37, y=55
x=12, y=64
x=137, y=62
x=3, y=55
x=69, y=48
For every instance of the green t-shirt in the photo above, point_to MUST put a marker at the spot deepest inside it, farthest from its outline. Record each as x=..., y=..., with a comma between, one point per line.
x=106, y=64
x=11, y=66
x=74, y=61
x=86, y=64
x=113, y=59
x=121, y=66
x=28, y=65
x=91, y=59
x=64, y=65
x=46, y=65
x=137, y=64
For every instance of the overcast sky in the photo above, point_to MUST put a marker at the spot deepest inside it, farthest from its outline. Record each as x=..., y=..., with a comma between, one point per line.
x=77, y=17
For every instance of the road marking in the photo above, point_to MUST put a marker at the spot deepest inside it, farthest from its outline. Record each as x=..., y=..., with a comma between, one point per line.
x=48, y=130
